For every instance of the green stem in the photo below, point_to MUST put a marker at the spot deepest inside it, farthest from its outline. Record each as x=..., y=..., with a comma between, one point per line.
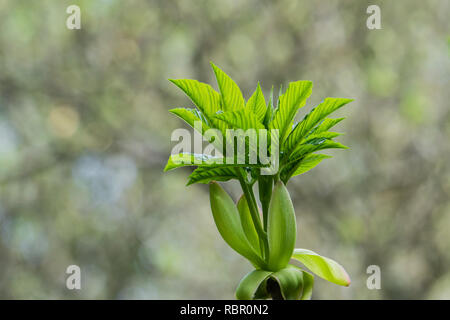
x=277, y=177
x=265, y=215
x=251, y=201
x=265, y=193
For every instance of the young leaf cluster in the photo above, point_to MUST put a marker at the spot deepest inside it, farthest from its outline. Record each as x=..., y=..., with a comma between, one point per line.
x=298, y=142
x=266, y=239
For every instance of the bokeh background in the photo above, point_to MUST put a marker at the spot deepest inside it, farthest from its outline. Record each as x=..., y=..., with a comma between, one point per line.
x=85, y=134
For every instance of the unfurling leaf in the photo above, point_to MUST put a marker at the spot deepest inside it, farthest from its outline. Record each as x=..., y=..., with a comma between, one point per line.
x=311, y=119
x=202, y=95
x=317, y=138
x=310, y=161
x=190, y=116
x=192, y=159
x=327, y=124
x=293, y=99
x=241, y=119
x=205, y=161
x=304, y=149
x=257, y=104
x=269, y=111
x=232, y=98
x=208, y=174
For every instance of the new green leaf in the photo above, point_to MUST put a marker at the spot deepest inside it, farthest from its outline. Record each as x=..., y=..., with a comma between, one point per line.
x=206, y=175
x=304, y=149
x=293, y=99
x=192, y=159
x=311, y=119
x=232, y=98
x=314, y=138
x=309, y=162
x=324, y=267
x=269, y=110
x=241, y=119
x=190, y=116
x=327, y=124
x=257, y=104
x=204, y=161
x=202, y=95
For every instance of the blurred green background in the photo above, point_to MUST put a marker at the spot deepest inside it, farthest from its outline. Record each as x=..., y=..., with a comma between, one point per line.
x=85, y=134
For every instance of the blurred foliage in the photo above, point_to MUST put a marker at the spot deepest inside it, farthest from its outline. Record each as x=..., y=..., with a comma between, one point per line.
x=85, y=133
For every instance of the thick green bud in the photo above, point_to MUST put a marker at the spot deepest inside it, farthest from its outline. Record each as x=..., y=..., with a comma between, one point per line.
x=281, y=228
